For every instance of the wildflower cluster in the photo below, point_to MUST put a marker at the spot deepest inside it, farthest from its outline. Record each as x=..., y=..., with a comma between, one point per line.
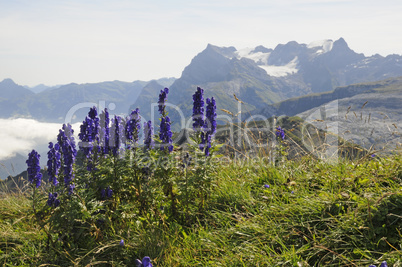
x=111, y=176
x=204, y=125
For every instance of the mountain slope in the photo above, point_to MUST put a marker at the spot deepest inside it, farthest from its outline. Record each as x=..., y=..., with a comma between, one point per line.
x=12, y=97
x=371, y=120
x=293, y=106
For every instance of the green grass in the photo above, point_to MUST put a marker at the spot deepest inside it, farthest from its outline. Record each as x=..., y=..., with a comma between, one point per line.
x=312, y=214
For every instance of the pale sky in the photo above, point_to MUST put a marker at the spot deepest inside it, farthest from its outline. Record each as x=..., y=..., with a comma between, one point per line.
x=59, y=42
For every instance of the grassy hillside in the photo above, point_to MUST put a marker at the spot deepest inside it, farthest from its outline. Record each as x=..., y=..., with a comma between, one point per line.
x=260, y=195
x=299, y=213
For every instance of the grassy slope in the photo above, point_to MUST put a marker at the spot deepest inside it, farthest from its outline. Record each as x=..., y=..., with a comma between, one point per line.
x=347, y=214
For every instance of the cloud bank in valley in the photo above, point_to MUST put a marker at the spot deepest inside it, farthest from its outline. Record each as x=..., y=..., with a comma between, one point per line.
x=22, y=135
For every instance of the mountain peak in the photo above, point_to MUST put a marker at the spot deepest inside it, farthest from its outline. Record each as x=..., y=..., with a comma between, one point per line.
x=8, y=82
x=341, y=45
x=261, y=49
x=224, y=51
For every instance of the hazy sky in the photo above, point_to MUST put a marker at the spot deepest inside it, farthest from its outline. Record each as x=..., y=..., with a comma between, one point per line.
x=59, y=42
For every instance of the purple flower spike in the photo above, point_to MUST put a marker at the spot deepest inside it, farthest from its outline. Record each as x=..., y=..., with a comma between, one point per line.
x=34, y=175
x=198, y=109
x=162, y=100
x=165, y=134
x=117, y=134
x=90, y=132
x=121, y=243
x=266, y=185
x=65, y=140
x=209, y=125
x=53, y=163
x=104, y=132
x=132, y=127
x=148, y=135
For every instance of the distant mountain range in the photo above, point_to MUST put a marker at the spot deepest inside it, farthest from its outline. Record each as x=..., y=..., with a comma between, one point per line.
x=261, y=76
x=52, y=104
x=258, y=76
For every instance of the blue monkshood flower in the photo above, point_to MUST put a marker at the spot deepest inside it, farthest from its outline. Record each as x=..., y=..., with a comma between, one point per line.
x=165, y=134
x=383, y=264
x=148, y=135
x=53, y=163
x=116, y=134
x=104, y=134
x=52, y=200
x=85, y=135
x=65, y=140
x=146, y=262
x=89, y=132
x=132, y=127
x=162, y=100
x=266, y=185
x=209, y=125
x=210, y=121
x=198, y=109
x=34, y=175
x=121, y=243
x=280, y=133
x=69, y=134
x=373, y=155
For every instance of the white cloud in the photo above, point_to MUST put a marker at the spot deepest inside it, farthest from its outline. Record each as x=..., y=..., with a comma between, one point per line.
x=23, y=135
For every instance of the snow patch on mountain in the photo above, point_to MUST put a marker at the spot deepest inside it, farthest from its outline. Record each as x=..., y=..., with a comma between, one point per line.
x=258, y=57
x=280, y=71
x=261, y=59
x=322, y=46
